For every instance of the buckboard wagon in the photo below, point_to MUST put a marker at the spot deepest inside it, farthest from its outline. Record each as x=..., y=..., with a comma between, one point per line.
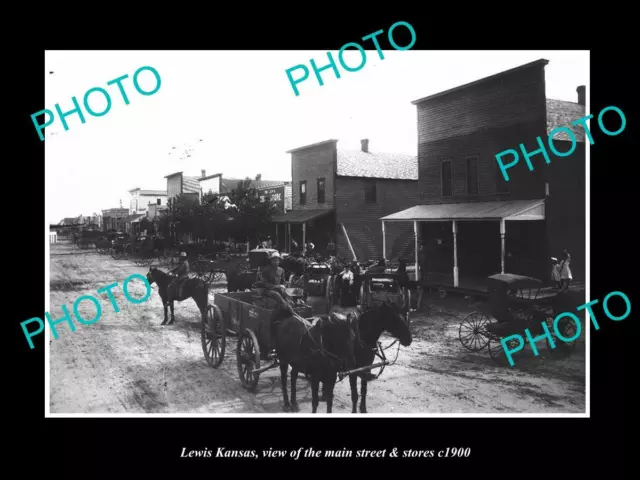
x=247, y=315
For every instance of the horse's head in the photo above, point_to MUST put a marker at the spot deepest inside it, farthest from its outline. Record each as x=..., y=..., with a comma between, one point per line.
x=393, y=322
x=150, y=274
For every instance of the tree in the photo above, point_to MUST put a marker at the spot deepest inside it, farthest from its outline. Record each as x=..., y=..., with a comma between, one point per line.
x=239, y=215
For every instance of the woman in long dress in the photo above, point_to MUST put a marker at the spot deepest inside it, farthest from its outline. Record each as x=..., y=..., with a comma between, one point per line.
x=565, y=271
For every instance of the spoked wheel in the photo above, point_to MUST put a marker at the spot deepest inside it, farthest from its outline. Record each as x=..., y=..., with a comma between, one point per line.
x=328, y=291
x=117, y=255
x=214, y=336
x=497, y=353
x=408, y=305
x=472, y=332
x=248, y=357
x=567, y=329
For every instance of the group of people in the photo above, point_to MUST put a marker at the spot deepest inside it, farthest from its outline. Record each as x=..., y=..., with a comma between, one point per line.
x=561, y=271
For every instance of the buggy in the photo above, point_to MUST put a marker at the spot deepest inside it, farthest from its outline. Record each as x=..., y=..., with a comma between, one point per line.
x=514, y=305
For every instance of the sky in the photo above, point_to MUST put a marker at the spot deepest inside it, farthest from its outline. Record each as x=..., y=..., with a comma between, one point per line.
x=238, y=115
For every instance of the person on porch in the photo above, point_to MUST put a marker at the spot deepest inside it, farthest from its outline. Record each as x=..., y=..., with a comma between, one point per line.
x=565, y=271
x=555, y=272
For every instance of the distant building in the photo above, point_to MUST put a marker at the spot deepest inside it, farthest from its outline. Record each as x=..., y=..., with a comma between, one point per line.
x=115, y=219
x=179, y=184
x=140, y=199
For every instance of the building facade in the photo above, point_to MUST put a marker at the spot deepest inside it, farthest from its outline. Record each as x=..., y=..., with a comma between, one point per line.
x=179, y=184
x=141, y=199
x=339, y=195
x=115, y=219
x=471, y=221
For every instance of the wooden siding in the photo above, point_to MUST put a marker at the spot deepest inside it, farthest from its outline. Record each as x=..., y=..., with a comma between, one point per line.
x=523, y=184
x=517, y=98
x=311, y=164
x=174, y=186
x=565, y=207
x=362, y=220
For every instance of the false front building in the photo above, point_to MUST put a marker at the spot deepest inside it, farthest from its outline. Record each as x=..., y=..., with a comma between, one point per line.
x=339, y=195
x=472, y=222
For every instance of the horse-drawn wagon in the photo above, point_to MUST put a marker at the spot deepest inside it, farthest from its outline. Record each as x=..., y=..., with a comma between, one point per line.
x=515, y=304
x=248, y=315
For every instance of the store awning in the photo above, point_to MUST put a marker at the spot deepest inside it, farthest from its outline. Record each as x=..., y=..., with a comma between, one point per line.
x=301, y=216
x=505, y=210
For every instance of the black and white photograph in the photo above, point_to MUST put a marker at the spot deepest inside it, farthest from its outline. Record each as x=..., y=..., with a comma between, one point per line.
x=255, y=233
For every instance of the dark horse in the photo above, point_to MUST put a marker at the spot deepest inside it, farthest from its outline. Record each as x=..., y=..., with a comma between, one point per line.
x=193, y=288
x=320, y=348
x=387, y=317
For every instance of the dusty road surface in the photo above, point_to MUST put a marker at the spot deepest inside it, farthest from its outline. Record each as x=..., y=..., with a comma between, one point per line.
x=128, y=363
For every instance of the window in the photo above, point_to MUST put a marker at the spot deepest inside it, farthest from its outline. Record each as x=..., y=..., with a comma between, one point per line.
x=472, y=175
x=321, y=190
x=370, y=193
x=303, y=193
x=501, y=185
x=159, y=201
x=447, y=191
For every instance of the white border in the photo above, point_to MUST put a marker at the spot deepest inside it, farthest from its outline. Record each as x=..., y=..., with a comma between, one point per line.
x=587, y=414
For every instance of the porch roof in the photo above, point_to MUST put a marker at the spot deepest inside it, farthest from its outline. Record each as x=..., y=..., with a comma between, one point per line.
x=502, y=210
x=301, y=216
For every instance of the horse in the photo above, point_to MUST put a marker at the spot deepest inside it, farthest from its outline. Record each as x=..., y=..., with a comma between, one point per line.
x=193, y=288
x=320, y=348
x=386, y=317
x=293, y=266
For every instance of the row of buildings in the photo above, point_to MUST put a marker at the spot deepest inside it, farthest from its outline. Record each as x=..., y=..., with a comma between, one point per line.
x=451, y=199
x=145, y=206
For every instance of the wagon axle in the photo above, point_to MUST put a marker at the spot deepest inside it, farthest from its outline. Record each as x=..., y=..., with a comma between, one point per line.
x=342, y=375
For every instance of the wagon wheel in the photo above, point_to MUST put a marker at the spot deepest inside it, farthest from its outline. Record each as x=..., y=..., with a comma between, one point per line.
x=214, y=336
x=216, y=275
x=207, y=276
x=498, y=355
x=329, y=292
x=567, y=329
x=141, y=260
x=248, y=358
x=472, y=332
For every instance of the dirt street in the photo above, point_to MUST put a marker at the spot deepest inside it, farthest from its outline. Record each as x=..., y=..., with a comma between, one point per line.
x=128, y=363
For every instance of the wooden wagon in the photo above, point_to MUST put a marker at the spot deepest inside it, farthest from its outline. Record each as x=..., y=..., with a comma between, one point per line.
x=248, y=316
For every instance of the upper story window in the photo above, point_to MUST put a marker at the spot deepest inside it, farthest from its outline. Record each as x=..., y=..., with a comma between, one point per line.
x=370, y=193
x=447, y=189
x=321, y=191
x=472, y=175
x=159, y=201
x=303, y=192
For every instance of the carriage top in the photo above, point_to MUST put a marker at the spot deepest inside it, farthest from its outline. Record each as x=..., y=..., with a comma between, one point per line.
x=511, y=281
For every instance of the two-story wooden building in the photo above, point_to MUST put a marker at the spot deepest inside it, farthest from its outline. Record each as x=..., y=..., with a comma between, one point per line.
x=340, y=195
x=179, y=184
x=141, y=199
x=472, y=222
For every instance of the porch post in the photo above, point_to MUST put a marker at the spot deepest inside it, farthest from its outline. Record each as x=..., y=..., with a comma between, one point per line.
x=384, y=242
x=304, y=237
x=415, y=241
x=288, y=237
x=277, y=237
x=503, y=231
x=455, y=254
